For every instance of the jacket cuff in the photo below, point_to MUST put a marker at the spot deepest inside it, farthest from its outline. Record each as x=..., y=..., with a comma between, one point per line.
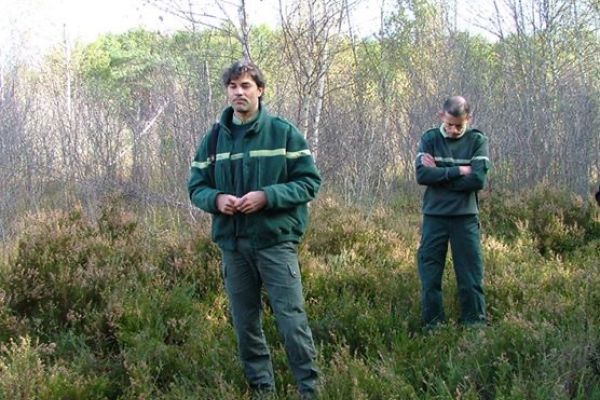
x=270, y=197
x=211, y=203
x=452, y=173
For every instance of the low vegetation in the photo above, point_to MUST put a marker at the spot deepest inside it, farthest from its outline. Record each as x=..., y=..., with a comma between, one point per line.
x=120, y=307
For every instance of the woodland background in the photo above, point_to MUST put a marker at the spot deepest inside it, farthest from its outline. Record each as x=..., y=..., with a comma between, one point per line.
x=127, y=110
x=110, y=287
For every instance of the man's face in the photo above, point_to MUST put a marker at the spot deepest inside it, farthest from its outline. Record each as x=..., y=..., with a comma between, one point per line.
x=243, y=94
x=454, y=126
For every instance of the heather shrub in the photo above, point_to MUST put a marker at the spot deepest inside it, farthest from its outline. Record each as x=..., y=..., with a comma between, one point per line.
x=349, y=232
x=559, y=222
x=25, y=374
x=10, y=324
x=191, y=259
x=120, y=308
x=65, y=266
x=355, y=264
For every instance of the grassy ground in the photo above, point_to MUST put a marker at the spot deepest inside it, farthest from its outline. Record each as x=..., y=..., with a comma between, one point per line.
x=124, y=308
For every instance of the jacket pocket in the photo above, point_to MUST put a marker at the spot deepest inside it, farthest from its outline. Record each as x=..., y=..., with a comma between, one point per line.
x=223, y=177
x=268, y=170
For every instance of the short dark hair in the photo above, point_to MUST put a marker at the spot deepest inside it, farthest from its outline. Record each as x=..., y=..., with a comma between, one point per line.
x=240, y=68
x=457, y=106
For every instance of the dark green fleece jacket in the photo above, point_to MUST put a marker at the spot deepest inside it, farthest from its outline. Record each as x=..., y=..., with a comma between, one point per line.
x=448, y=193
x=275, y=159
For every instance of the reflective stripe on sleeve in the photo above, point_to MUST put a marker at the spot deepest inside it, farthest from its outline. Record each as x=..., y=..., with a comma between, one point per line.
x=297, y=154
x=267, y=153
x=200, y=165
x=461, y=160
x=255, y=153
x=453, y=160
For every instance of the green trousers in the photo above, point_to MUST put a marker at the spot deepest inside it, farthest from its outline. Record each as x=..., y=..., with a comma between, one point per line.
x=245, y=271
x=463, y=234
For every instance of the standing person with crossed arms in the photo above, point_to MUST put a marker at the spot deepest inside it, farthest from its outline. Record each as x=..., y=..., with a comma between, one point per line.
x=452, y=162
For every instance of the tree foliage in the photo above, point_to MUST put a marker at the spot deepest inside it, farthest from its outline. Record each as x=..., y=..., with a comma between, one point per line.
x=127, y=110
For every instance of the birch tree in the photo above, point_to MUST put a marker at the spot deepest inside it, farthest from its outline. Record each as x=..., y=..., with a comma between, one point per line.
x=311, y=39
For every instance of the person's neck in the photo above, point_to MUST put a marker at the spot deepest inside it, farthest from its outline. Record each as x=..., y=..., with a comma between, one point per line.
x=241, y=119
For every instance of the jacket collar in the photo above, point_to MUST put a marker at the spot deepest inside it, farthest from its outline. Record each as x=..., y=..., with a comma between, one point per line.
x=444, y=134
x=257, y=124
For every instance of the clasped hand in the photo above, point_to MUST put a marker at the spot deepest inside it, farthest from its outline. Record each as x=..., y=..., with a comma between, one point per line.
x=249, y=203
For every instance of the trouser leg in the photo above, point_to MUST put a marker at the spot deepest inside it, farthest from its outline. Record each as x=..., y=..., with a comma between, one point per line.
x=468, y=266
x=279, y=270
x=243, y=283
x=432, y=258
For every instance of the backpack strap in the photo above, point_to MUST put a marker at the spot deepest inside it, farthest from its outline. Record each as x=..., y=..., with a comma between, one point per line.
x=212, y=144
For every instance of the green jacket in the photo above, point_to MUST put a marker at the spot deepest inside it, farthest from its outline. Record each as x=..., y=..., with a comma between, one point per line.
x=448, y=193
x=276, y=160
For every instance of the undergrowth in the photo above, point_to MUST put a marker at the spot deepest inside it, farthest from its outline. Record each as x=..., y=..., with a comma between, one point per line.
x=114, y=308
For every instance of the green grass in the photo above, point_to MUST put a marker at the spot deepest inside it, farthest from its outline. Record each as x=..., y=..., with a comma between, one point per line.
x=120, y=308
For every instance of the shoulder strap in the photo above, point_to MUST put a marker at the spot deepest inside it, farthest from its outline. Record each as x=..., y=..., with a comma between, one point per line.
x=212, y=142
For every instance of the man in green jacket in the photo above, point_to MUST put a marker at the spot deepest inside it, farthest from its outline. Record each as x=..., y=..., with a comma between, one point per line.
x=257, y=187
x=452, y=161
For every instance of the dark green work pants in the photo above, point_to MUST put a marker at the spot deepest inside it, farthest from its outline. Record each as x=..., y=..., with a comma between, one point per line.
x=463, y=234
x=245, y=271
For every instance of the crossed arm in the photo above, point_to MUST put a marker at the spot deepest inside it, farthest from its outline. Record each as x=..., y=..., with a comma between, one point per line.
x=462, y=178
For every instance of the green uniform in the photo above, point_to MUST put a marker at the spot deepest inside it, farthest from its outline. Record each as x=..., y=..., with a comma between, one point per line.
x=275, y=158
x=451, y=214
x=259, y=249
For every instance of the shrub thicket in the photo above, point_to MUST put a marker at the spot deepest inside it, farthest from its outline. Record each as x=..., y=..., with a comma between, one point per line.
x=559, y=223
x=117, y=309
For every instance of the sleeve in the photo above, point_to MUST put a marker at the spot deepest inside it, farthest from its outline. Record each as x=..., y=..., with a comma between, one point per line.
x=432, y=176
x=303, y=176
x=201, y=185
x=480, y=165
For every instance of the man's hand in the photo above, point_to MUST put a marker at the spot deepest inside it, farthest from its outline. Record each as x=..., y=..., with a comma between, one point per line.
x=251, y=202
x=427, y=160
x=465, y=169
x=226, y=203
